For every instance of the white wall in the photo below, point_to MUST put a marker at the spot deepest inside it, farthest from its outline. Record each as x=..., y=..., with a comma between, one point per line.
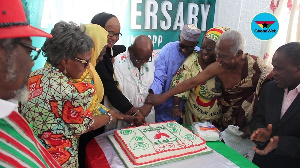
x=238, y=15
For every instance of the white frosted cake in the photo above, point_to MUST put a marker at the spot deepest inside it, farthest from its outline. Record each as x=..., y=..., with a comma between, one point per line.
x=157, y=143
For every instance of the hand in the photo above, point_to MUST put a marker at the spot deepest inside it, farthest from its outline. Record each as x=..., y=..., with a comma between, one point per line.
x=272, y=145
x=128, y=118
x=176, y=112
x=115, y=115
x=145, y=109
x=154, y=99
x=262, y=134
x=246, y=131
x=140, y=120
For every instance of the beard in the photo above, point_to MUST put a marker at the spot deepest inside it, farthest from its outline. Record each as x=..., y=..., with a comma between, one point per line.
x=22, y=94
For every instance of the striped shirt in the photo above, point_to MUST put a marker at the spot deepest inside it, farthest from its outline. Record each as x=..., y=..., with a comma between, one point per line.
x=18, y=145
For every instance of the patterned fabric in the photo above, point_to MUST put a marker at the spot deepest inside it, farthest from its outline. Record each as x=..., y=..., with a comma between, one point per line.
x=239, y=102
x=18, y=145
x=96, y=105
x=59, y=112
x=215, y=32
x=202, y=101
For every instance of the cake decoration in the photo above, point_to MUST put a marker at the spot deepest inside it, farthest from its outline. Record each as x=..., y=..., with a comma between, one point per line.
x=157, y=143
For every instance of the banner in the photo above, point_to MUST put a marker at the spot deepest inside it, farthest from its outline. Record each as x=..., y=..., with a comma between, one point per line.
x=161, y=20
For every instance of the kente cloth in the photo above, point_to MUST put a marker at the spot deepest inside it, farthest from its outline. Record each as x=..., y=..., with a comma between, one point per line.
x=18, y=145
x=168, y=61
x=202, y=102
x=215, y=32
x=239, y=102
x=58, y=111
x=134, y=84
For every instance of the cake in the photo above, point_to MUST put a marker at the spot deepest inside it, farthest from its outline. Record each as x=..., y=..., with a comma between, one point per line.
x=156, y=144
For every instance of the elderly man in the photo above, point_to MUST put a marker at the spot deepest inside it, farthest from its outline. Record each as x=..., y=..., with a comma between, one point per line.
x=277, y=121
x=242, y=76
x=18, y=145
x=169, y=59
x=134, y=72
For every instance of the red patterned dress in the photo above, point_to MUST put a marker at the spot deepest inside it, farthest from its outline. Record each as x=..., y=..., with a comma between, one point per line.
x=59, y=112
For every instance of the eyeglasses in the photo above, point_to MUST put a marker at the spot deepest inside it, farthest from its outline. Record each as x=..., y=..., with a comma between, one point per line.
x=112, y=34
x=208, y=49
x=34, y=51
x=139, y=61
x=86, y=63
x=190, y=48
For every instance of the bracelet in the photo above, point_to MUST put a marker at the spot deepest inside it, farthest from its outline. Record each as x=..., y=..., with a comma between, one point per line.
x=176, y=105
x=136, y=112
x=110, y=118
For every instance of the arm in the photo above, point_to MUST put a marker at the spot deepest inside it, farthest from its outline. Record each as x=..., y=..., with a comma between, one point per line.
x=258, y=119
x=210, y=71
x=114, y=95
x=160, y=74
x=104, y=119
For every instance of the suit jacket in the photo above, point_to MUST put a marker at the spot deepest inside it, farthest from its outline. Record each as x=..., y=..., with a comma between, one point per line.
x=287, y=153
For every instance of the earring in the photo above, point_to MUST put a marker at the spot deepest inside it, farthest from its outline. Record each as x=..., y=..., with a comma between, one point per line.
x=65, y=71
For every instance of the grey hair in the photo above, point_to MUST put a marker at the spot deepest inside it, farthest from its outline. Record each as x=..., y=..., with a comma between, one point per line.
x=9, y=46
x=238, y=41
x=67, y=42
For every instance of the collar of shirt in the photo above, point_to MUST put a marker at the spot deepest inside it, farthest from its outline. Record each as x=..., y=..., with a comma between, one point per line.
x=297, y=89
x=7, y=107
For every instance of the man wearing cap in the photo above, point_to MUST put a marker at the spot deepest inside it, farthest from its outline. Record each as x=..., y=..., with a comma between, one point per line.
x=18, y=145
x=169, y=59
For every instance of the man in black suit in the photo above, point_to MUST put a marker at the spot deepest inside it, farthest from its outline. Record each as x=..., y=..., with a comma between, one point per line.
x=276, y=124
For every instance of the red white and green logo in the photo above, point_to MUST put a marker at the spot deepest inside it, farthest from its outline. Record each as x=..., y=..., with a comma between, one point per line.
x=264, y=26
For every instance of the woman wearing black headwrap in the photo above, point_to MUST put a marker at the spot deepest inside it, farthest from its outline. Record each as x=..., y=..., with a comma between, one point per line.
x=105, y=67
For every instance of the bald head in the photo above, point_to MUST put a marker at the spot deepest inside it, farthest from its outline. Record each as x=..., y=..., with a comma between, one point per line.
x=141, y=50
x=143, y=42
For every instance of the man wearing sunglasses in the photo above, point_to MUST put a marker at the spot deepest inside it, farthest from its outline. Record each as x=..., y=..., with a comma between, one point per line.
x=134, y=72
x=19, y=146
x=169, y=59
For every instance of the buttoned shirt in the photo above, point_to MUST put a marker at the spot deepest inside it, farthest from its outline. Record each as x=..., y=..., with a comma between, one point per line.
x=288, y=98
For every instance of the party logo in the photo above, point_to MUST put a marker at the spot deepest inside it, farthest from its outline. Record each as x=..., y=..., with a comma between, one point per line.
x=264, y=26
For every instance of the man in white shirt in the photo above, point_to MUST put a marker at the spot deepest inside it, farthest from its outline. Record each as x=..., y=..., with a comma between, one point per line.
x=134, y=71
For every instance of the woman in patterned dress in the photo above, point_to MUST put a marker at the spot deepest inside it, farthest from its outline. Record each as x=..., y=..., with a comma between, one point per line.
x=59, y=108
x=202, y=102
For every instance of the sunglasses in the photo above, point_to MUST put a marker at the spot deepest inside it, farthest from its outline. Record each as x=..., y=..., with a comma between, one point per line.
x=190, y=48
x=140, y=61
x=35, y=52
x=86, y=63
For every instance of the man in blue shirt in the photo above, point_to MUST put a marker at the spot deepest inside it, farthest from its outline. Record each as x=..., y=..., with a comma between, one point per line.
x=169, y=59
